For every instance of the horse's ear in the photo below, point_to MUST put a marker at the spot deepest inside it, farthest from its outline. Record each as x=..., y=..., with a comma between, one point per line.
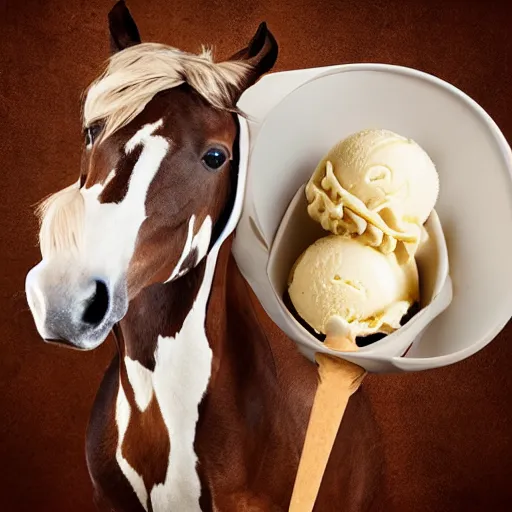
x=123, y=30
x=261, y=54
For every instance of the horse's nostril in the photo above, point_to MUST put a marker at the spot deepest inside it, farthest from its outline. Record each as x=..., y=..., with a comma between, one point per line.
x=97, y=306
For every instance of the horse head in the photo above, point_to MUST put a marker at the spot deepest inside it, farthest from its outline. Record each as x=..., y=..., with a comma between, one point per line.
x=156, y=183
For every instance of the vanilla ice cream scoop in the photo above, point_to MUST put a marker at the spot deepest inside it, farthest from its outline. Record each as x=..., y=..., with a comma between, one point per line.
x=377, y=185
x=338, y=276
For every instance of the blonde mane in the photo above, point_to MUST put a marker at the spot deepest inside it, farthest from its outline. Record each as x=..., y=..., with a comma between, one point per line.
x=136, y=74
x=61, y=217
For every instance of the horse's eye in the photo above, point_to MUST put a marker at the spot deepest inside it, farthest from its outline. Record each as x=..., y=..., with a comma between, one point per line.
x=215, y=158
x=91, y=134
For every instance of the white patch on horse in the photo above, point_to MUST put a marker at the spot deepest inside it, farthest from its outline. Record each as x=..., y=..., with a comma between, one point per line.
x=108, y=250
x=110, y=176
x=200, y=242
x=186, y=250
x=122, y=419
x=202, y=239
x=141, y=382
x=180, y=380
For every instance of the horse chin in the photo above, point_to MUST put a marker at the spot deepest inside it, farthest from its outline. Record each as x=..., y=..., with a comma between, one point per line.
x=77, y=345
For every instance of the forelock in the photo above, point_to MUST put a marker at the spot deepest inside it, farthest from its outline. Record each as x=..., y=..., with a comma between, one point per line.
x=135, y=75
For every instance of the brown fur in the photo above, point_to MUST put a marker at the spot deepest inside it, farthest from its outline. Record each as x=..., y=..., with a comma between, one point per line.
x=256, y=412
x=146, y=444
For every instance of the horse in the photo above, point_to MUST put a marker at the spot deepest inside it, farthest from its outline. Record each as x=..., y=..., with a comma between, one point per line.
x=206, y=403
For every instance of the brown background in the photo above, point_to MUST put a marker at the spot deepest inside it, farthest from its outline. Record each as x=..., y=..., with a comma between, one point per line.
x=448, y=433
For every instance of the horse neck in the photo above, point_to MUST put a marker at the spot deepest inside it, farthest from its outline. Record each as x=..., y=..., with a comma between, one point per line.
x=252, y=358
x=213, y=315
x=164, y=371
x=195, y=358
x=164, y=352
x=158, y=312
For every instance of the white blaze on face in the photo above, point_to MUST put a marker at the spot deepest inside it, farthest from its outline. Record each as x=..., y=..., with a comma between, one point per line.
x=111, y=229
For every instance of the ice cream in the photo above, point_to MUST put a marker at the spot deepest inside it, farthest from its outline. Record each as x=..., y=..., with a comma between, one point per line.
x=339, y=276
x=375, y=185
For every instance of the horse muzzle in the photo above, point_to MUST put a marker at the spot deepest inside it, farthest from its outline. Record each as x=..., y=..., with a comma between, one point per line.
x=73, y=307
